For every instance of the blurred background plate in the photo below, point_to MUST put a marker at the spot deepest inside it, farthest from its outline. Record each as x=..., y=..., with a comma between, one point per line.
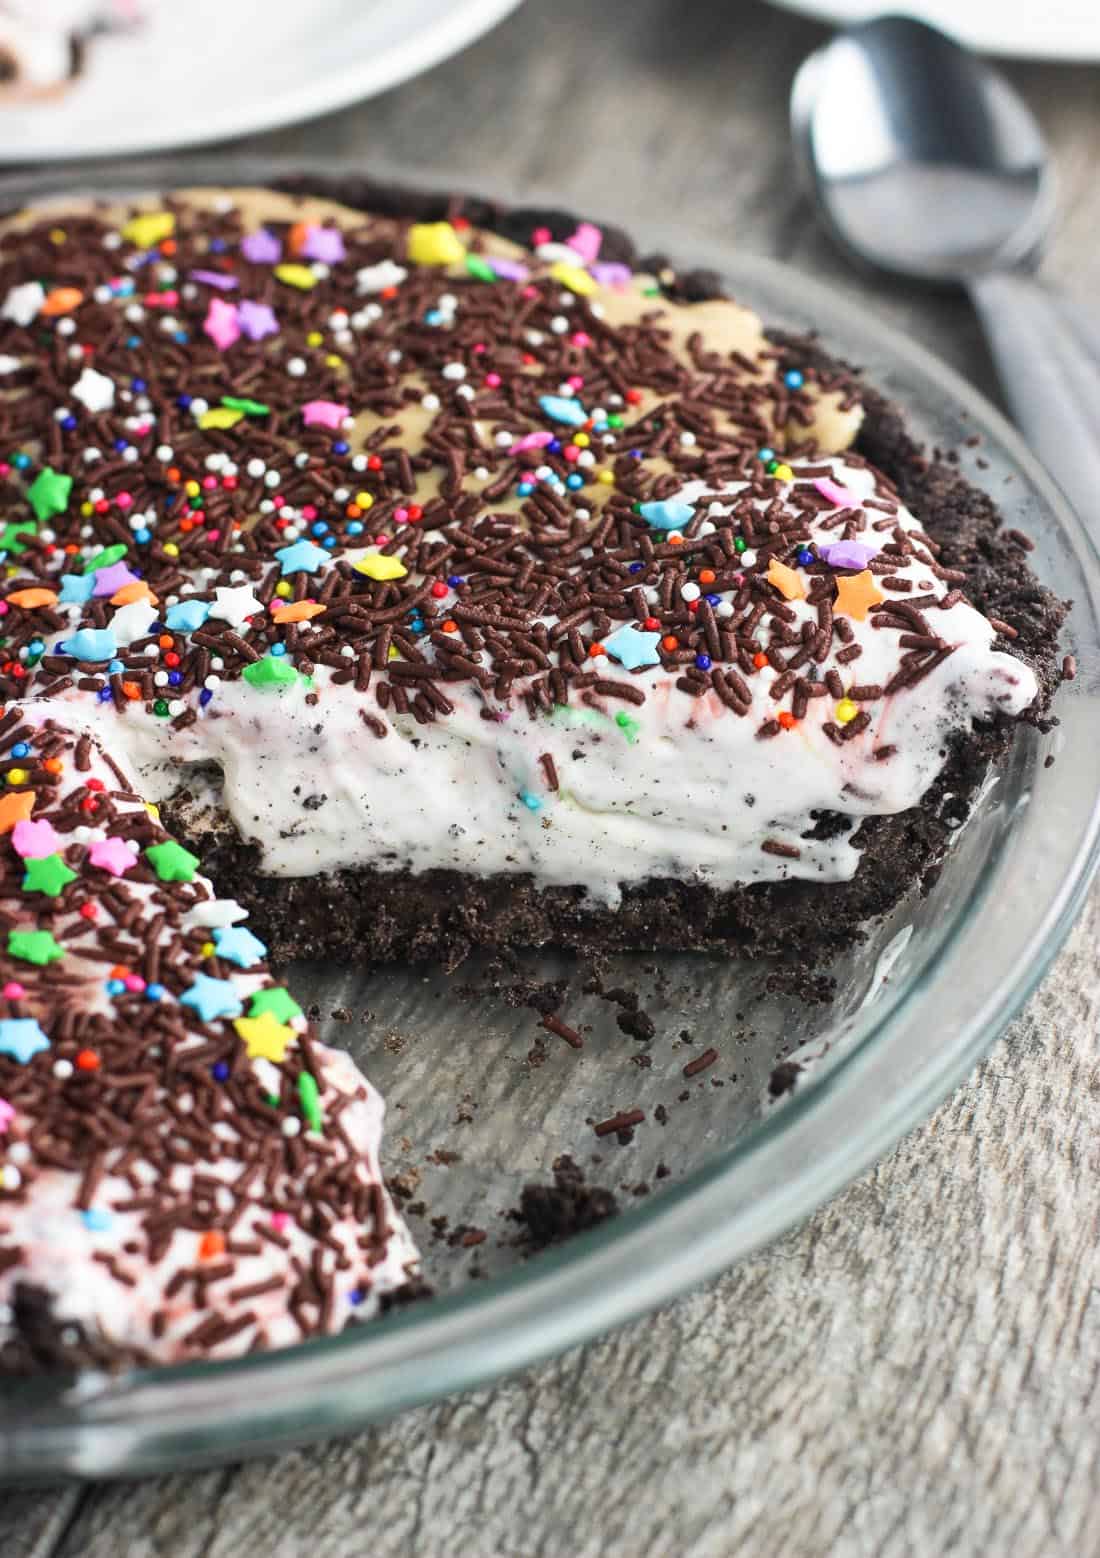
x=209, y=69
x=1055, y=30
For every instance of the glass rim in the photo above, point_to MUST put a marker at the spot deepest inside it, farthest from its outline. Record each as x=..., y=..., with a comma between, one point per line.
x=750, y=1192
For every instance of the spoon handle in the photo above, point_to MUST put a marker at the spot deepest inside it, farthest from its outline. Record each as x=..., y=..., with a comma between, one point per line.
x=1050, y=379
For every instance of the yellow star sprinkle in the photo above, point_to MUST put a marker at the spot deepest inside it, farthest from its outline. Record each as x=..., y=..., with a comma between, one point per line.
x=220, y=416
x=788, y=581
x=149, y=229
x=573, y=277
x=856, y=594
x=435, y=243
x=299, y=276
x=265, y=1037
x=378, y=566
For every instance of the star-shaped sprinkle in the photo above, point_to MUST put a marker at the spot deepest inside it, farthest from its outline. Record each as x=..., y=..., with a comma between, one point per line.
x=214, y=278
x=23, y=303
x=587, y=241
x=221, y=323
x=34, y=946
x=21, y=1038
x=216, y=911
x=669, y=514
x=111, y=854
x=270, y=671
x=235, y=605
x=95, y=391
x=107, y=580
x=265, y=1037
x=261, y=248
x=76, y=588
x=788, y=581
x=15, y=807
x=50, y=876
x=632, y=648
x=129, y=593
x=48, y=493
x=90, y=644
x=31, y=597
x=172, y=862
x=297, y=611
x=292, y=275
x=376, y=278
x=855, y=595
x=277, y=1001
x=842, y=497
x=848, y=554
x=323, y=413
x=238, y=945
x=186, y=616
x=378, y=566
x=13, y=531
x=257, y=320
x=325, y=244
x=133, y=621
x=301, y=557
x=563, y=408
x=34, y=840
x=212, y=998
x=149, y=229
x=434, y=243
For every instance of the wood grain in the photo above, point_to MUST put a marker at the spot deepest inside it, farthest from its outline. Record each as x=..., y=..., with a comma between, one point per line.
x=913, y=1372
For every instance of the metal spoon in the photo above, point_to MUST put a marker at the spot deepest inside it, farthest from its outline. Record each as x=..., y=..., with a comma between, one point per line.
x=924, y=161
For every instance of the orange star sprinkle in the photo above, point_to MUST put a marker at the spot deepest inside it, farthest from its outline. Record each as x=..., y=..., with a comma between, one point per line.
x=856, y=594
x=32, y=597
x=139, y=590
x=62, y=300
x=788, y=581
x=298, y=235
x=15, y=807
x=298, y=611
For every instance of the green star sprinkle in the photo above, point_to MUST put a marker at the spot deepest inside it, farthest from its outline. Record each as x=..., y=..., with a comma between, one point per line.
x=9, y=537
x=278, y=1001
x=48, y=493
x=271, y=671
x=480, y=269
x=251, y=408
x=49, y=875
x=172, y=862
x=310, y=1100
x=104, y=559
x=34, y=946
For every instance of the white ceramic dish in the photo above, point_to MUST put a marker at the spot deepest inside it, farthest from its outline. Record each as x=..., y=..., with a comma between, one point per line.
x=204, y=70
x=1067, y=30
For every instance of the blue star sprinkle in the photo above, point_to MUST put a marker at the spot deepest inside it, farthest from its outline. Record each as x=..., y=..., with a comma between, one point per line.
x=212, y=998
x=90, y=644
x=633, y=649
x=670, y=514
x=237, y=944
x=21, y=1038
x=76, y=588
x=186, y=616
x=302, y=557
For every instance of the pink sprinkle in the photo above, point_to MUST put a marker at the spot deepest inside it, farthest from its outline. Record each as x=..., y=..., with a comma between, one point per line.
x=209, y=483
x=530, y=292
x=841, y=496
x=13, y=990
x=571, y=452
x=123, y=500
x=279, y=1221
x=532, y=441
x=5, y=468
x=134, y=982
x=492, y=380
x=401, y=516
x=309, y=512
x=586, y=241
x=479, y=347
x=3, y=608
x=540, y=235
x=382, y=540
x=581, y=338
x=7, y=1114
x=212, y=535
x=575, y=381
x=528, y=476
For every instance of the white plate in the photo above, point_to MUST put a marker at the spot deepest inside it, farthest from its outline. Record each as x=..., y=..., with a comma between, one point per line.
x=1053, y=30
x=205, y=70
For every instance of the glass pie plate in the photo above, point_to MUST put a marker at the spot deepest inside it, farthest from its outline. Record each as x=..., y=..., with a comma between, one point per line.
x=481, y=1099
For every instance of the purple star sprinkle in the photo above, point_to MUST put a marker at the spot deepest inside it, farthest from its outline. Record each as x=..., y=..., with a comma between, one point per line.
x=262, y=248
x=848, y=554
x=257, y=320
x=325, y=244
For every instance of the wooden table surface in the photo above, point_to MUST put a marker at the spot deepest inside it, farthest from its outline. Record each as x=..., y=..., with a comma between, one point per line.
x=913, y=1372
